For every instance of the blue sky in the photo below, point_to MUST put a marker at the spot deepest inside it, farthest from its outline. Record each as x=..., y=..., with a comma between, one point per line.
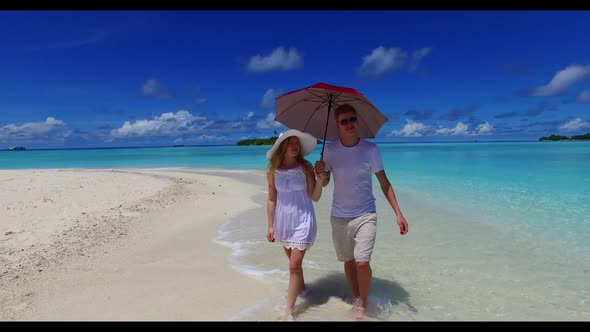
x=148, y=78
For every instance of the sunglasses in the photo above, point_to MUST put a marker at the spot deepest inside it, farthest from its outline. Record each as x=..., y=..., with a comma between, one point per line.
x=344, y=122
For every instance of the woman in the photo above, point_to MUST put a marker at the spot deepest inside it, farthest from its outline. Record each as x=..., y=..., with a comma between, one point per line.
x=292, y=186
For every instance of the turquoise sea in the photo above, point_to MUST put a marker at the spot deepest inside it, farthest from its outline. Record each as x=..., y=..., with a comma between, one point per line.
x=498, y=230
x=544, y=185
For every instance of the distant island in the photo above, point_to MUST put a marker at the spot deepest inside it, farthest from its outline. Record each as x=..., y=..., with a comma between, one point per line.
x=565, y=138
x=258, y=141
x=16, y=148
x=262, y=141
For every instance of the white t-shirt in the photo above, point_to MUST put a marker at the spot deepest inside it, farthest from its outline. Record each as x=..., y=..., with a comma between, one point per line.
x=353, y=168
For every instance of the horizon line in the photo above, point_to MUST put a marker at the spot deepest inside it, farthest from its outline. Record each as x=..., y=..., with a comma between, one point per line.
x=235, y=144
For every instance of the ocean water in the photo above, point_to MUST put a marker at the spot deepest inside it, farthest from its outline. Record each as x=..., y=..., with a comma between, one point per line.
x=498, y=231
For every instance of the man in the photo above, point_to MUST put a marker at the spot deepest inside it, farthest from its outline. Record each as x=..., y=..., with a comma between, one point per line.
x=353, y=215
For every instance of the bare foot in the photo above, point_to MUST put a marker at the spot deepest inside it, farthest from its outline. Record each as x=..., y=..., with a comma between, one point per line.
x=288, y=316
x=360, y=314
x=359, y=309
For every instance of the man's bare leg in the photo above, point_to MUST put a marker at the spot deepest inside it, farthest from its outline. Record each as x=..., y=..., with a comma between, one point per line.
x=364, y=274
x=351, y=275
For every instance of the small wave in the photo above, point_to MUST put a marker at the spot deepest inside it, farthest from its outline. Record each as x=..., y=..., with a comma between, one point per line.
x=379, y=308
x=249, y=312
x=241, y=248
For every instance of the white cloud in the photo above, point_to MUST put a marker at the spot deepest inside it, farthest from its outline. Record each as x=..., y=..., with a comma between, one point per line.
x=196, y=103
x=152, y=88
x=412, y=128
x=459, y=129
x=242, y=119
x=268, y=100
x=574, y=125
x=382, y=60
x=417, y=57
x=584, y=97
x=96, y=37
x=279, y=59
x=563, y=79
x=50, y=128
x=203, y=139
x=268, y=122
x=212, y=138
x=91, y=39
x=167, y=124
x=484, y=129
x=149, y=87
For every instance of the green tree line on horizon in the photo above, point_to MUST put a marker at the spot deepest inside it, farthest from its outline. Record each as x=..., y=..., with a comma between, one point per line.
x=565, y=138
x=258, y=141
x=262, y=141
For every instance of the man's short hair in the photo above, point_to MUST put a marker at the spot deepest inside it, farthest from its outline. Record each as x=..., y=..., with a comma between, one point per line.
x=344, y=108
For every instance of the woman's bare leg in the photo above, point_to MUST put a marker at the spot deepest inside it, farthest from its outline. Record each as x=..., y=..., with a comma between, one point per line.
x=296, y=281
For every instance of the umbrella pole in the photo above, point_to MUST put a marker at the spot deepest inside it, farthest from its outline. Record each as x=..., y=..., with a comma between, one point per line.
x=326, y=129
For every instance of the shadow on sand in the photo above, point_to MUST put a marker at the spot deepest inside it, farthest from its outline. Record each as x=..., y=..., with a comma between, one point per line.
x=388, y=293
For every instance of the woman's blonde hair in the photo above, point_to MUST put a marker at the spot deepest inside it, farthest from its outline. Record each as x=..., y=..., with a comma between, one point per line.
x=277, y=158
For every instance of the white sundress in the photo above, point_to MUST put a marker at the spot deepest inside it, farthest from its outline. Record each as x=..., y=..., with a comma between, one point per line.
x=295, y=222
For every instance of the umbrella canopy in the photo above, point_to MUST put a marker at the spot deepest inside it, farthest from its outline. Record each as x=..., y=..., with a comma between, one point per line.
x=310, y=110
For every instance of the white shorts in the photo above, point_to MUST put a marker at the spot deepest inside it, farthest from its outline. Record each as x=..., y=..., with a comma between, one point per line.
x=354, y=238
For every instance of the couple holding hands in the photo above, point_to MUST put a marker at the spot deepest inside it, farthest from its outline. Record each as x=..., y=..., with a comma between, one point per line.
x=292, y=185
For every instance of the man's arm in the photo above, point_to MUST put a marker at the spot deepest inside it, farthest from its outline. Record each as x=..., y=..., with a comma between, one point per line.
x=390, y=195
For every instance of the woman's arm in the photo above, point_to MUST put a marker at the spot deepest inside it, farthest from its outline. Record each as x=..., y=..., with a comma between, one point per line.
x=270, y=206
x=309, y=175
x=322, y=178
x=314, y=185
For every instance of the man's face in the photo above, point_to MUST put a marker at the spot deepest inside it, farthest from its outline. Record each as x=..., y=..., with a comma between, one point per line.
x=347, y=123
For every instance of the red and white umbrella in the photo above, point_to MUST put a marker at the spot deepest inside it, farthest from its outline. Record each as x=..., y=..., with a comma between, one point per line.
x=310, y=110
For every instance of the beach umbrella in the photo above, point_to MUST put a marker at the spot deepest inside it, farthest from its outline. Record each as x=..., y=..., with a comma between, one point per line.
x=310, y=110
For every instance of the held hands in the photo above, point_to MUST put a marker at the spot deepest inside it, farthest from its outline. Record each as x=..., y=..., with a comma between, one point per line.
x=322, y=177
x=403, y=224
x=320, y=167
x=270, y=234
x=321, y=174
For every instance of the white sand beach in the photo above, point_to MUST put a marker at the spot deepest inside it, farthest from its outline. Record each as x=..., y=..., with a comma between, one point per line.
x=119, y=245
x=189, y=244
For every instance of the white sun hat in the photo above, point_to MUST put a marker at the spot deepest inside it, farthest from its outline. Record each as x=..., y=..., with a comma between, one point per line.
x=308, y=142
